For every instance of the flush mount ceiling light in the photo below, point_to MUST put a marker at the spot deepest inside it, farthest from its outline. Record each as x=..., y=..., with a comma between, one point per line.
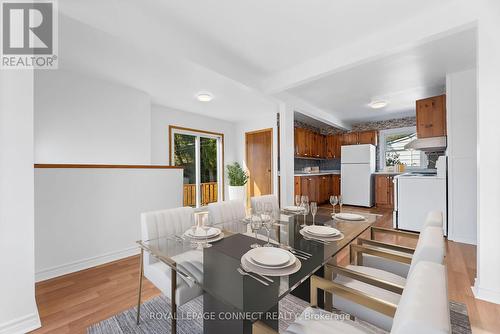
x=378, y=104
x=204, y=96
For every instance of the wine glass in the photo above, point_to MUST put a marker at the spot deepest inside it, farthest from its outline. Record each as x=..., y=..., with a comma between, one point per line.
x=206, y=228
x=314, y=209
x=305, y=212
x=255, y=225
x=268, y=224
x=304, y=199
x=341, y=202
x=193, y=233
x=333, y=201
x=297, y=200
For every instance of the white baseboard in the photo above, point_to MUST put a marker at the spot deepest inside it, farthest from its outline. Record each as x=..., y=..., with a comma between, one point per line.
x=21, y=325
x=463, y=240
x=486, y=294
x=72, y=267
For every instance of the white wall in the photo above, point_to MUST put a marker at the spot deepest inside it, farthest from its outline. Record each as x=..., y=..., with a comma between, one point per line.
x=261, y=122
x=80, y=119
x=89, y=216
x=18, y=311
x=487, y=284
x=163, y=117
x=462, y=156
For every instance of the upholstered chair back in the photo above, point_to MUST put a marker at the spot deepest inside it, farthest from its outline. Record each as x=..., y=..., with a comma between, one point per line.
x=273, y=199
x=430, y=247
x=226, y=212
x=164, y=223
x=424, y=307
x=434, y=218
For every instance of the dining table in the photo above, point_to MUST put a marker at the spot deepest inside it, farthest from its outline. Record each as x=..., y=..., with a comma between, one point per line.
x=232, y=300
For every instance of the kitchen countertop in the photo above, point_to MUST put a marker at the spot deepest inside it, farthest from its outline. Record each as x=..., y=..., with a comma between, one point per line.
x=323, y=172
x=388, y=173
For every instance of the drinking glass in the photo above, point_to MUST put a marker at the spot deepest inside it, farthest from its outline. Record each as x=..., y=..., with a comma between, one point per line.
x=304, y=199
x=205, y=228
x=341, y=202
x=314, y=209
x=333, y=201
x=258, y=208
x=297, y=200
x=268, y=224
x=193, y=233
x=255, y=225
x=305, y=212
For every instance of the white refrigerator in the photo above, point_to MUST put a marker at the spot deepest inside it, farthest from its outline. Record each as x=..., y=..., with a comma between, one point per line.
x=357, y=166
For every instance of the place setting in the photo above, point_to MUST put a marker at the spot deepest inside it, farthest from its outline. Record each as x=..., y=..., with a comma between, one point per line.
x=203, y=236
x=344, y=216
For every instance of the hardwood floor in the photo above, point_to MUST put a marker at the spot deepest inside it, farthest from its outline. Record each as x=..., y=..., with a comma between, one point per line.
x=71, y=303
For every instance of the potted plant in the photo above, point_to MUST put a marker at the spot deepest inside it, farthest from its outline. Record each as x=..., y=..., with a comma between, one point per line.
x=238, y=178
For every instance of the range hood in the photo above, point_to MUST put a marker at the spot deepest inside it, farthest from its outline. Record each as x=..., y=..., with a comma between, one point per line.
x=433, y=144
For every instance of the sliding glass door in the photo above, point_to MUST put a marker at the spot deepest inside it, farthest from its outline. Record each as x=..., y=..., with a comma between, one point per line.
x=200, y=154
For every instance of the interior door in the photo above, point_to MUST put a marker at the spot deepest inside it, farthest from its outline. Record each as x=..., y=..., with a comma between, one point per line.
x=259, y=162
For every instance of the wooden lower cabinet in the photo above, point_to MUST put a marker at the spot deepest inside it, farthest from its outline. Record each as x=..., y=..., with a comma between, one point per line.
x=318, y=188
x=384, y=191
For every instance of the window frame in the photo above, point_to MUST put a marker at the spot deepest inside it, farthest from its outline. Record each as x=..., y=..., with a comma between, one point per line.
x=172, y=129
x=383, y=134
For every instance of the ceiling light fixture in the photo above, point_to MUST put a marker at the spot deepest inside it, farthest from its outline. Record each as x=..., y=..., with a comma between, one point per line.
x=378, y=104
x=204, y=96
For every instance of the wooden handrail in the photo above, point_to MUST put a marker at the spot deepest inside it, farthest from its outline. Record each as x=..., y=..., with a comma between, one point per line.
x=106, y=166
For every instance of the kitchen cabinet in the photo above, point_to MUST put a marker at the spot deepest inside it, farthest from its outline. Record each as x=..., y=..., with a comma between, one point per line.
x=309, y=144
x=336, y=185
x=368, y=137
x=325, y=188
x=384, y=191
x=333, y=144
x=361, y=137
x=431, y=117
x=309, y=186
x=297, y=185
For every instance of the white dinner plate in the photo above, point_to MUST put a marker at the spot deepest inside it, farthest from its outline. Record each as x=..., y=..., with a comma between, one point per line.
x=321, y=231
x=293, y=208
x=249, y=266
x=270, y=256
x=332, y=238
x=349, y=216
x=286, y=265
x=200, y=233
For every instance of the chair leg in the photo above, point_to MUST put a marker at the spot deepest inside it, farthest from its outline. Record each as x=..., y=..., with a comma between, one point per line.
x=329, y=275
x=141, y=274
x=173, y=288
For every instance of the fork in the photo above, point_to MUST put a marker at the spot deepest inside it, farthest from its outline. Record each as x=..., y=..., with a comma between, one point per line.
x=244, y=273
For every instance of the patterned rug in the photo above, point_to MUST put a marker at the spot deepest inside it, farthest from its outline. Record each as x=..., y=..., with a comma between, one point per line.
x=155, y=318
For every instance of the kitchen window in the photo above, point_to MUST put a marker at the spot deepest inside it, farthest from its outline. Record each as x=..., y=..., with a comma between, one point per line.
x=392, y=151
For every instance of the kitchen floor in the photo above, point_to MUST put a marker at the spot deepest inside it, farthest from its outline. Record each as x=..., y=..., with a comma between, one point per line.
x=71, y=303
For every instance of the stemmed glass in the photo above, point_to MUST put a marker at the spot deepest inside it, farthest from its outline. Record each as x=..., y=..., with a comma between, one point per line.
x=255, y=225
x=206, y=228
x=305, y=212
x=193, y=233
x=297, y=200
x=267, y=219
x=314, y=209
x=341, y=202
x=333, y=201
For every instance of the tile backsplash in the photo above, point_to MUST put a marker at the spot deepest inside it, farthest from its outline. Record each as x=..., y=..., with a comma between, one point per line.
x=330, y=164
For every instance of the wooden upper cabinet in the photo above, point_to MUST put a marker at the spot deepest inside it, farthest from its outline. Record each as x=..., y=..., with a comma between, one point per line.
x=300, y=142
x=320, y=146
x=337, y=142
x=330, y=147
x=431, y=117
x=309, y=144
x=368, y=137
x=350, y=138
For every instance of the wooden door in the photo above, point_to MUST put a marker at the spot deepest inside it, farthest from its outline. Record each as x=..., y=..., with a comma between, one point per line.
x=336, y=185
x=431, y=117
x=259, y=148
x=350, y=138
x=368, y=137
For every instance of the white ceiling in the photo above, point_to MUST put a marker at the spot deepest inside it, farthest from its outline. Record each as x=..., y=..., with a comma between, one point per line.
x=173, y=49
x=399, y=79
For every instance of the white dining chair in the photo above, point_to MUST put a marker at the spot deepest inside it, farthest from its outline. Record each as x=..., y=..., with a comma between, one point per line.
x=273, y=199
x=172, y=223
x=226, y=212
x=422, y=308
x=384, y=284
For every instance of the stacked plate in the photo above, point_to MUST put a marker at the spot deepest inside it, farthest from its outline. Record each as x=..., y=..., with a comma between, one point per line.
x=325, y=233
x=270, y=261
x=200, y=235
x=349, y=216
x=293, y=208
